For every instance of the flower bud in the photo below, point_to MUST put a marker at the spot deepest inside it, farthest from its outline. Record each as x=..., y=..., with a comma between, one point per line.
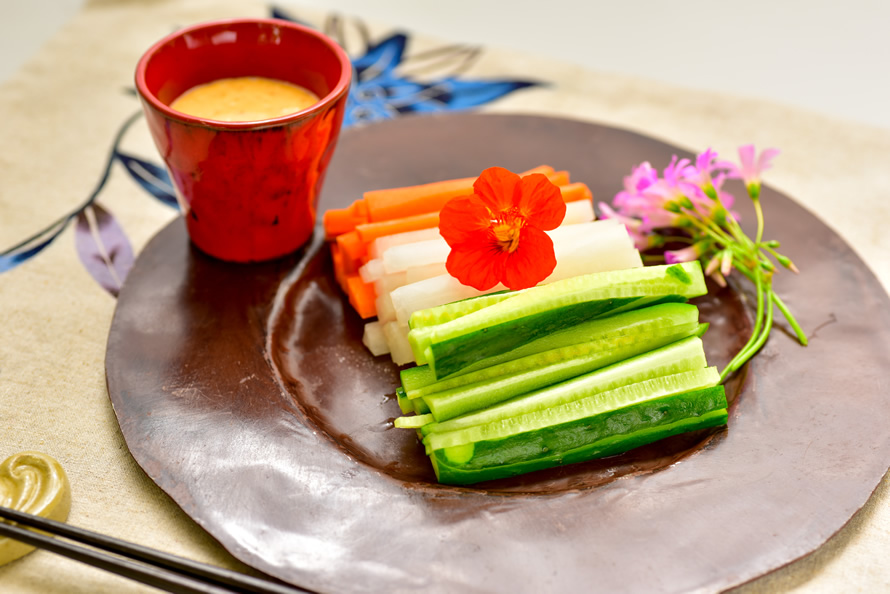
x=754, y=190
x=787, y=263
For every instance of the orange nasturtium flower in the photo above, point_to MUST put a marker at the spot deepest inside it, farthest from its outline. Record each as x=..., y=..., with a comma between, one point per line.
x=497, y=233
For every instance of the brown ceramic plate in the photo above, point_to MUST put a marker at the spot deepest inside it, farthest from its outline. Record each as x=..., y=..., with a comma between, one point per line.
x=244, y=393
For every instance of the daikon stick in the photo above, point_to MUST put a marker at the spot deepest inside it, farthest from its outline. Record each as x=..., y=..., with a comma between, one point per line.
x=421, y=253
x=580, y=249
x=374, y=339
x=579, y=211
x=381, y=244
x=386, y=312
x=395, y=253
x=372, y=270
x=397, y=340
x=419, y=273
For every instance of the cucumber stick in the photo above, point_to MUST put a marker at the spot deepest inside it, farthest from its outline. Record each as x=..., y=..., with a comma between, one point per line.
x=453, y=345
x=646, y=325
x=452, y=403
x=685, y=356
x=576, y=436
x=462, y=394
x=408, y=405
x=405, y=404
x=434, y=316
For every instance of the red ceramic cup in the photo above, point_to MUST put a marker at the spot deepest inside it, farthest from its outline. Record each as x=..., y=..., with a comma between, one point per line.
x=248, y=190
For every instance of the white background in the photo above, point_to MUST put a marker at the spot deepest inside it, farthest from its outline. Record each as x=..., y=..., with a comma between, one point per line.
x=825, y=56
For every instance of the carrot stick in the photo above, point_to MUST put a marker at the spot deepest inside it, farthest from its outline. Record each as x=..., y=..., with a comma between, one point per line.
x=371, y=231
x=359, y=209
x=337, y=221
x=384, y=205
x=397, y=203
x=362, y=296
x=352, y=251
x=343, y=220
x=368, y=232
x=558, y=178
x=545, y=169
x=337, y=259
x=576, y=191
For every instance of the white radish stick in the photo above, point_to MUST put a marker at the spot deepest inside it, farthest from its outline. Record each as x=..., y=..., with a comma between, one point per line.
x=580, y=249
x=399, y=347
x=374, y=339
x=381, y=244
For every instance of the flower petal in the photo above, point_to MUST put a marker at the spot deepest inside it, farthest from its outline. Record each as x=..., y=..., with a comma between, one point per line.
x=541, y=202
x=746, y=157
x=687, y=254
x=496, y=188
x=641, y=177
x=476, y=263
x=607, y=212
x=532, y=262
x=764, y=161
x=461, y=218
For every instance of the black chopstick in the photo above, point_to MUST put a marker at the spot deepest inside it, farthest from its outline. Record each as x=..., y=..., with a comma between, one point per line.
x=148, y=566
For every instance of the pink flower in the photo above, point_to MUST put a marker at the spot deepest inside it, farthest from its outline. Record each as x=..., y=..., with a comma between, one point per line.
x=659, y=218
x=687, y=254
x=752, y=165
x=641, y=178
x=673, y=173
x=725, y=197
x=674, y=187
x=700, y=173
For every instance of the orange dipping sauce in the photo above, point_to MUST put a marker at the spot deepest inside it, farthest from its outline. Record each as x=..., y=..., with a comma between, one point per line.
x=244, y=99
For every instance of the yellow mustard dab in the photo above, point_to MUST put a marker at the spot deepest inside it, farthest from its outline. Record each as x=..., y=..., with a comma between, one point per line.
x=35, y=483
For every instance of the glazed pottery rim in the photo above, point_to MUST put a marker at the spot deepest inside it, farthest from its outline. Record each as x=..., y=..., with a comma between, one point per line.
x=322, y=104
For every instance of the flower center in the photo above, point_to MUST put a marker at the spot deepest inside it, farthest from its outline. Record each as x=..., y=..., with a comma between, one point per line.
x=507, y=231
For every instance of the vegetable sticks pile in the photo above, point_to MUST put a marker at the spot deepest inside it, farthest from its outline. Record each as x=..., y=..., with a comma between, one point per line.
x=389, y=258
x=388, y=212
x=587, y=367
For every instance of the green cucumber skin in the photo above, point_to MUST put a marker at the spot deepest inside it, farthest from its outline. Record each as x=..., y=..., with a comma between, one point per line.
x=405, y=404
x=409, y=405
x=501, y=327
x=662, y=364
x=602, y=435
x=451, y=356
x=456, y=309
x=654, y=319
x=423, y=322
x=461, y=400
x=413, y=378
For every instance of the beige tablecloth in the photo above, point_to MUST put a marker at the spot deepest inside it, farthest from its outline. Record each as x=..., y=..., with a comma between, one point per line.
x=58, y=118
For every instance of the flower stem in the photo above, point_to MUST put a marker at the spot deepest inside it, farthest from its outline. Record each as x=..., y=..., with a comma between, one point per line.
x=755, y=333
x=792, y=321
x=710, y=227
x=715, y=233
x=759, y=211
x=786, y=312
x=752, y=348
